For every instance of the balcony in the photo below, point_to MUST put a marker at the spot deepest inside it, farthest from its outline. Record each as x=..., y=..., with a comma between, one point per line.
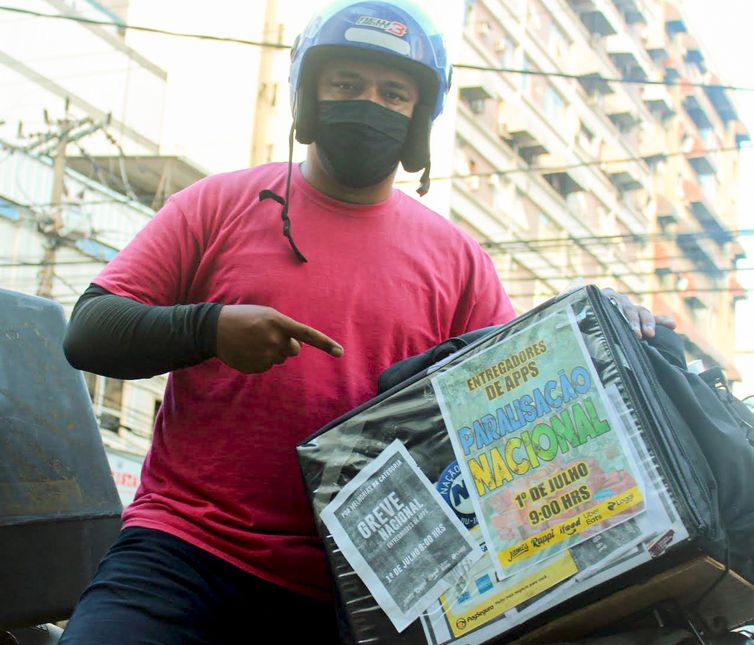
x=694, y=54
x=475, y=96
x=516, y=127
x=704, y=213
x=631, y=11
x=695, y=251
x=625, y=121
x=720, y=101
x=563, y=183
x=737, y=292
x=673, y=68
x=657, y=48
x=666, y=212
x=742, y=134
x=699, y=159
x=658, y=101
x=621, y=111
x=674, y=22
x=738, y=251
x=695, y=110
x=594, y=84
x=593, y=17
x=628, y=65
x=623, y=177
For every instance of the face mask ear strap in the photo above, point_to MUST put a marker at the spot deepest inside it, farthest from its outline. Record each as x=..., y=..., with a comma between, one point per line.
x=415, y=154
x=305, y=114
x=424, y=182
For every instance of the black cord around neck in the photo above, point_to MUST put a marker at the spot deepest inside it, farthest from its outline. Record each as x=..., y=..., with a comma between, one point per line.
x=284, y=202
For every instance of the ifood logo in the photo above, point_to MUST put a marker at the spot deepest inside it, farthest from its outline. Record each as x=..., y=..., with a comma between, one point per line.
x=390, y=26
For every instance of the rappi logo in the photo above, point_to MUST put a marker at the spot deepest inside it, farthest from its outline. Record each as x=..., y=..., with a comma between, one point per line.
x=390, y=26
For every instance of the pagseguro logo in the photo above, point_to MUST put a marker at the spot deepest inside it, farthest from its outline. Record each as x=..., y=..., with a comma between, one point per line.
x=390, y=26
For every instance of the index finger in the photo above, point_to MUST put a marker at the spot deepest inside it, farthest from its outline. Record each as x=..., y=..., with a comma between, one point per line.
x=312, y=337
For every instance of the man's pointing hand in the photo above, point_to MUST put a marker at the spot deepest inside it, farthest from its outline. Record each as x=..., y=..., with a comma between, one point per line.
x=253, y=338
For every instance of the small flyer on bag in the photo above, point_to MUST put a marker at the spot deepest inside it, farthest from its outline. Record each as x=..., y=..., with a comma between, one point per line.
x=539, y=444
x=399, y=535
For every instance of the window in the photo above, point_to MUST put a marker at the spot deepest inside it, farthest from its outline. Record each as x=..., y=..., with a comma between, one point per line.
x=546, y=227
x=554, y=106
x=473, y=181
x=113, y=397
x=525, y=79
x=506, y=50
x=557, y=45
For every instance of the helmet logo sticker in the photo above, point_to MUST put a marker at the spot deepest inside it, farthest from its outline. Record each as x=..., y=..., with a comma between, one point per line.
x=378, y=39
x=390, y=26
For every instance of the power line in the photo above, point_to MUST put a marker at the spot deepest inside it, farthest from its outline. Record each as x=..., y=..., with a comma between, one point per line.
x=40, y=263
x=254, y=43
x=618, y=238
x=152, y=30
x=616, y=275
x=647, y=292
x=529, y=169
x=585, y=164
x=607, y=79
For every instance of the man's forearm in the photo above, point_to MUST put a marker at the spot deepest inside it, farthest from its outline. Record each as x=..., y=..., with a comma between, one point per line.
x=122, y=338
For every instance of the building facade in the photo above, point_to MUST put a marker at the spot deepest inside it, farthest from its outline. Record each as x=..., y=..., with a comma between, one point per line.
x=600, y=171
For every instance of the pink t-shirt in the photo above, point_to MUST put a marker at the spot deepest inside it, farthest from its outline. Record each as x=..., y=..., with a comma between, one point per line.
x=386, y=281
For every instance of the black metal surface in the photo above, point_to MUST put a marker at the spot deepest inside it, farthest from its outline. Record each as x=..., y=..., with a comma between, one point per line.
x=59, y=508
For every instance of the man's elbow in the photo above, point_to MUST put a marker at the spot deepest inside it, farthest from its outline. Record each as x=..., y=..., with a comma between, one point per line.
x=75, y=348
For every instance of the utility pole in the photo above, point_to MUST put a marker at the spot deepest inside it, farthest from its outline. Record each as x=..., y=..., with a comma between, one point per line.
x=54, y=143
x=268, y=88
x=51, y=242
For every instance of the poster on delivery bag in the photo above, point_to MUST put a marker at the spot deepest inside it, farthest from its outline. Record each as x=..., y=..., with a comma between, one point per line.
x=539, y=444
x=399, y=535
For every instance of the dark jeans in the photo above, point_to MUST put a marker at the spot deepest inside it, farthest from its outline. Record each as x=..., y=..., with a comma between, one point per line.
x=153, y=588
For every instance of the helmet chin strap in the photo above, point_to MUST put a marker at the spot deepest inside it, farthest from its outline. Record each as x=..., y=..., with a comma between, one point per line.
x=424, y=181
x=284, y=202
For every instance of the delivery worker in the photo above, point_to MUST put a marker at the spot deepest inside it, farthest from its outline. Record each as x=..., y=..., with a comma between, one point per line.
x=220, y=542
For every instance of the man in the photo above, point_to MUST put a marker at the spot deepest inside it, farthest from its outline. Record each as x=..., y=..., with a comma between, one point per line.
x=220, y=534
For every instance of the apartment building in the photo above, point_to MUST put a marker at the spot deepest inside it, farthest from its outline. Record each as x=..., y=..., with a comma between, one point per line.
x=580, y=162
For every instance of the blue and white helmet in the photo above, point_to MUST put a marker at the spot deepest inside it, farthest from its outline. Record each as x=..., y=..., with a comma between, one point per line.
x=395, y=32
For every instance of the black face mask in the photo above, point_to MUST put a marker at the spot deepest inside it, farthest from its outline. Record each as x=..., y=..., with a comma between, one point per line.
x=359, y=143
